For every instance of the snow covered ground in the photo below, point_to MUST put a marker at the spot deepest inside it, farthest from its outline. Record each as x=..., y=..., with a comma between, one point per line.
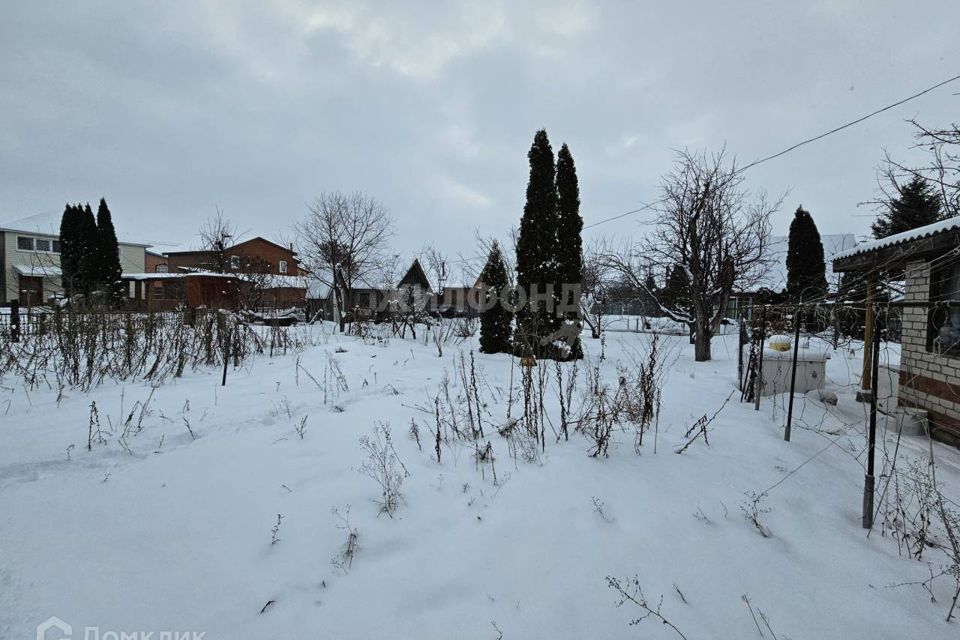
x=175, y=534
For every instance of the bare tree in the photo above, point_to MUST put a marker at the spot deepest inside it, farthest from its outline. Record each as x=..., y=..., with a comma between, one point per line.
x=437, y=265
x=942, y=168
x=216, y=236
x=343, y=240
x=709, y=226
x=596, y=277
x=472, y=265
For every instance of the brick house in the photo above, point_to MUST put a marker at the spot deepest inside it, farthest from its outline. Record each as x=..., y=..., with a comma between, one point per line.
x=929, y=376
x=155, y=262
x=257, y=254
x=274, y=270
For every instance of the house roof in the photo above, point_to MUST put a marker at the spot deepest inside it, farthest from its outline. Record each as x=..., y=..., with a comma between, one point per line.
x=262, y=239
x=274, y=281
x=415, y=275
x=230, y=248
x=46, y=271
x=927, y=231
x=176, y=276
x=48, y=224
x=188, y=252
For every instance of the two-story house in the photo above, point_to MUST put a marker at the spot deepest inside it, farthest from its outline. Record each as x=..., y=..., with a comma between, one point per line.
x=273, y=269
x=30, y=259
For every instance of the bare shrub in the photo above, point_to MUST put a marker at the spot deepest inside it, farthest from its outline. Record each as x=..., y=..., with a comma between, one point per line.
x=922, y=521
x=301, y=427
x=344, y=559
x=384, y=467
x=80, y=348
x=641, y=382
x=753, y=510
x=275, y=531
x=630, y=591
x=699, y=429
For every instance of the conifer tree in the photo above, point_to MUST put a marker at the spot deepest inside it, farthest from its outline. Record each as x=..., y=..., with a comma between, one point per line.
x=570, y=223
x=917, y=205
x=108, y=251
x=676, y=292
x=537, y=249
x=495, y=317
x=87, y=244
x=569, y=239
x=69, y=262
x=806, y=268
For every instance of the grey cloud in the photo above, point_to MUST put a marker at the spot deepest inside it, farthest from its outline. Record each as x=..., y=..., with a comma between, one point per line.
x=170, y=109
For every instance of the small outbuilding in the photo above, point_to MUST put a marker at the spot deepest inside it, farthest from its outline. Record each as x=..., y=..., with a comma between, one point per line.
x=929, y=259
x=148, y=292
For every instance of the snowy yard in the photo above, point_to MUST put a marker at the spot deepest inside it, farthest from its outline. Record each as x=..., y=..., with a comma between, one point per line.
x=175, y=527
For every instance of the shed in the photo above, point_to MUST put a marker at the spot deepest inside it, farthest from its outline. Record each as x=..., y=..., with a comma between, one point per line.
x=929, y=257
x=192, y=290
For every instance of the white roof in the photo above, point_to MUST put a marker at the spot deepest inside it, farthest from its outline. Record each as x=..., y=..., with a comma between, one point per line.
x=776, y=278
x=275, y=281
x=914, y=234
x=36, y=271
x=174, y=276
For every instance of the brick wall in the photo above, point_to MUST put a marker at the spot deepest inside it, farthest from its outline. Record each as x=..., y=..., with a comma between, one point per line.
x=152, y=261
x=256, y=250
x=927, y=380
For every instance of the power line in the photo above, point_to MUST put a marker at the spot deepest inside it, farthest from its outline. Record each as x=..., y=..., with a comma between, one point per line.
x=795, y=146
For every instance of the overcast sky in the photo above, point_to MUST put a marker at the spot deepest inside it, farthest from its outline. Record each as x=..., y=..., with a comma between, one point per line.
x=170, y=109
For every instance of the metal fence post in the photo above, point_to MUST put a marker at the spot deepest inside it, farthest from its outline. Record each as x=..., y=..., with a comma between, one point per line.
x=15, y=321
x=793, y=371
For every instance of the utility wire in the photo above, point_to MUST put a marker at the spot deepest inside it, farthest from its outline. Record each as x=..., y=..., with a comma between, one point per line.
x=795, y=146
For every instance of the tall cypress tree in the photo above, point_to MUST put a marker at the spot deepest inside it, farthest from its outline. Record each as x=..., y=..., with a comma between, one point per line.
x=69, y=263
x=87, y=247
x=537, y=249
x=806, y=268
x=108, y=250
x=916, y=206
x=495, y=318
x=570, y=223
x=569, y=240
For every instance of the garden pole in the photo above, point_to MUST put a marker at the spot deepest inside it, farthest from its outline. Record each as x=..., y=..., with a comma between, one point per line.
x=15, y=321
x=759, y=375
x=868, y=480
x=793, y=371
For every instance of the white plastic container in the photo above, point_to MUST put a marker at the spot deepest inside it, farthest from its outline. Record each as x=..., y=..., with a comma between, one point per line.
x=811, y=370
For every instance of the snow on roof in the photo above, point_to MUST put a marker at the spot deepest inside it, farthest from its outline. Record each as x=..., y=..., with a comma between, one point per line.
x=174, y=276
x=914, y=234
x=275, y=281
x=35, y=271
x=47, y=223
x=776, y=278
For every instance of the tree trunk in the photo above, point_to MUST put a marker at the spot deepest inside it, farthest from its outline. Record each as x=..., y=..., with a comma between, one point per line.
x=701, y=347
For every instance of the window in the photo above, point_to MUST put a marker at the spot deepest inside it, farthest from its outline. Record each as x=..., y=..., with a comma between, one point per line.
x=161, y=268
x=283, y=266
x=943, y=335
x=56, y=246
x=234, y=262
x=363, y=300
x=24, y=244
x=42, y=245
